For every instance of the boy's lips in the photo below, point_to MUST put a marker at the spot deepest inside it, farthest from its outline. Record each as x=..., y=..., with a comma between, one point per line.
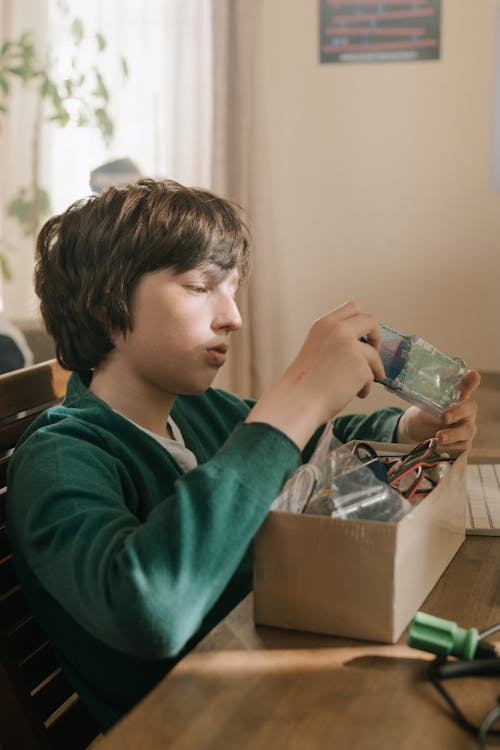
x=217, y=354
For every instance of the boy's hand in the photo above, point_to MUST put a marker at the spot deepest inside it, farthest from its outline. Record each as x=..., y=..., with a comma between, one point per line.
x=455, y=428
x=333, y=364
x=332, y=367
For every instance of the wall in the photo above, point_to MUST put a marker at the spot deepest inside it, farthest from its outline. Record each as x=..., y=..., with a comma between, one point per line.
x=372, y=181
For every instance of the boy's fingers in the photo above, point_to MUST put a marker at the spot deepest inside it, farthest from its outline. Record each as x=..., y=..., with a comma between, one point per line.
x=374, y=361
x=470, y=382
x=459, y=422
x=376, y=366
x=462, y=431
x=359, y=323
x=465, y=410
x=346, y=310
x=363, y=393
x=461, y=418
x=461, y=445
x=374, y=338
x=454, y=441
x=363, y=327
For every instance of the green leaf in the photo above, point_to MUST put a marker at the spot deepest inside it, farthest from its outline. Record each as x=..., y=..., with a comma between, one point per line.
x=61, y=117
x=28, y=52
x=18, y=70
x=4, y=85
x=19, y=207
x=77, y=30
x=44, y=89
x=100, y=91
x=104, y=123
x=44, y=202
x=54, y=95
x=25, y=38
x=124, y=65
x=28, y=210
x=5, y=270
x=5, y=47
x=101, y=42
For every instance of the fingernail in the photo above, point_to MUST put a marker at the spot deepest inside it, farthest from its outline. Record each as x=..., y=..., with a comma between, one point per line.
x=442, y=437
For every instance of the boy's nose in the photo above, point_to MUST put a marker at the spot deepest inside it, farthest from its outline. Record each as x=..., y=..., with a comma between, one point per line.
x=228, y=316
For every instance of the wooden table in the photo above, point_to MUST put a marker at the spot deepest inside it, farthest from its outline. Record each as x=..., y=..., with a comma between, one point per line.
x=262, y=688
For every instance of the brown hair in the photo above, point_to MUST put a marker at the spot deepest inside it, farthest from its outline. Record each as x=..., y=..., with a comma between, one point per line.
x=89, y=258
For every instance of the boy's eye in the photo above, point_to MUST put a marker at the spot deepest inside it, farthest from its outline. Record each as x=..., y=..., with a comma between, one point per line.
x=198, y=289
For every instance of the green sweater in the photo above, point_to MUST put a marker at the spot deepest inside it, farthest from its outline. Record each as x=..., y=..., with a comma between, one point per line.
x=126, y=561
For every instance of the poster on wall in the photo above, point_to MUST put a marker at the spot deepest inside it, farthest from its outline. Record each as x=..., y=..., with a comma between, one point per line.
x=379, y=30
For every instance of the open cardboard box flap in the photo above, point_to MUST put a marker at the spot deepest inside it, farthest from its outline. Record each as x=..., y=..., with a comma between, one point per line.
x=359, y=579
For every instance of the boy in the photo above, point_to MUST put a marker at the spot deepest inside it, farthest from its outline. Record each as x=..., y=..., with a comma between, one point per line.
x=133, y=505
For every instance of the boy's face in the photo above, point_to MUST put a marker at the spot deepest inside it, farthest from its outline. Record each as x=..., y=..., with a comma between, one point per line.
x=180, y=324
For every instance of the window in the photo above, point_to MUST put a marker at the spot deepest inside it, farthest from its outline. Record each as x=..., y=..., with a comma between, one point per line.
x=161, y=111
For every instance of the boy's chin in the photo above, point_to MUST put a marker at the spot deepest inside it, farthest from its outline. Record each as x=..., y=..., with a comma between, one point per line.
x=194, y=389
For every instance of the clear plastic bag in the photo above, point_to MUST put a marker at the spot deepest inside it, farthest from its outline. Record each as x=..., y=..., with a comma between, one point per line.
x=297, y=491
x=349, y=489
x=337, y=484
x=357, y=494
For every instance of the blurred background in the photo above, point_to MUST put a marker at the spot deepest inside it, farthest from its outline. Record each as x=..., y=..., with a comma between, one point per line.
x=365, y=180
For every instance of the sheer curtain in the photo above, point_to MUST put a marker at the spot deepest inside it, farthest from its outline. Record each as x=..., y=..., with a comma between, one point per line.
x=16, y=134
x=162, y=111
x=234, y=26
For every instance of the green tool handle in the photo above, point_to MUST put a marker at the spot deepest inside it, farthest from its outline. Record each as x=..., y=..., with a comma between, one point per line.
x=445, y=638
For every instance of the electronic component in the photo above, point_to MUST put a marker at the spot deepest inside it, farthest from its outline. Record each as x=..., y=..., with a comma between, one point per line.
x=419, y=373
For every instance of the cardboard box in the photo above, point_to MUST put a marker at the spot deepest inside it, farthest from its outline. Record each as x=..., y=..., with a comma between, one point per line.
x=359, y=579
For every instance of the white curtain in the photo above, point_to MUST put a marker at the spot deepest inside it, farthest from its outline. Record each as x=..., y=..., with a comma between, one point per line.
x=162, y=112
x=16, y=134
x=234, y=25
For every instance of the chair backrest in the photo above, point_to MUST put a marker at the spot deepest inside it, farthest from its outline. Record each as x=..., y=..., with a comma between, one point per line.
x=38, y=708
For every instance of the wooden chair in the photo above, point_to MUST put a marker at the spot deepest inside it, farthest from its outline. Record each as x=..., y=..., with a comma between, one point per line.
x=38, y=708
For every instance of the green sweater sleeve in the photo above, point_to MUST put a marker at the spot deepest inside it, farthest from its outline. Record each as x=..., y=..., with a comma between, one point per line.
x=380, y=425
x=138, y=570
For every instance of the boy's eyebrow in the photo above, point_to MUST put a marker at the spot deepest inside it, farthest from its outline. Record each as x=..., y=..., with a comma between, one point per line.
x=214, y=274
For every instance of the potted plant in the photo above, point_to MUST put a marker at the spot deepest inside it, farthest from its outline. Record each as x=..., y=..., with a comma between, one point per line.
x=80, y=96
